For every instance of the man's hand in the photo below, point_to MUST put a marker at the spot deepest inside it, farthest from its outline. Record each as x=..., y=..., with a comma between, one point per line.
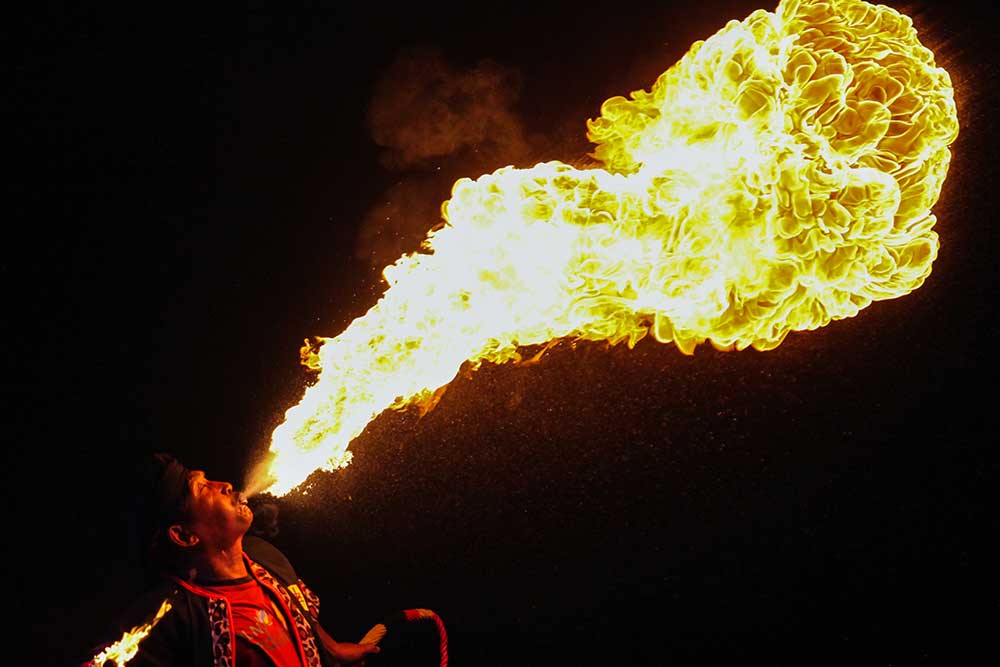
x=346, y=653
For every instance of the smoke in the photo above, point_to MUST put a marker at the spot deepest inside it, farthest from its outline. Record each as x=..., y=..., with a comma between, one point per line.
x=265, y=520
x=435, y=123
x=425, y=110
x=399, y=221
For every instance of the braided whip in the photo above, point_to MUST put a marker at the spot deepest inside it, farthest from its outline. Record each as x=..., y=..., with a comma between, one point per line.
x=375, y=635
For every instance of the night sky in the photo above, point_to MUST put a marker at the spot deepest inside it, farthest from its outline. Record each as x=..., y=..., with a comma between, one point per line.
x=194, y=191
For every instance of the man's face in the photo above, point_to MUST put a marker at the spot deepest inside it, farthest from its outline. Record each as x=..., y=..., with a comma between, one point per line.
x=216, y=513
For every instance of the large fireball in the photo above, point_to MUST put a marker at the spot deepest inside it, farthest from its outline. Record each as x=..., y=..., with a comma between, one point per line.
x=780, y=176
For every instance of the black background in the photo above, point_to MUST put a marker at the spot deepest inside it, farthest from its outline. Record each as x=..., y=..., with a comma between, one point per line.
x=186, y=192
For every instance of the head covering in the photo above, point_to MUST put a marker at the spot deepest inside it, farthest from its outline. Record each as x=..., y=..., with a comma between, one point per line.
x=161, y=497
x=172, y=488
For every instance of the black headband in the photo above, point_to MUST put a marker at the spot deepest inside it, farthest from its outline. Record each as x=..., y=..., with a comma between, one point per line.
x=172, y=490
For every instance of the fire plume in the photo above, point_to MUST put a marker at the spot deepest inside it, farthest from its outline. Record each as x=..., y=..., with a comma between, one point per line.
x=778, y=177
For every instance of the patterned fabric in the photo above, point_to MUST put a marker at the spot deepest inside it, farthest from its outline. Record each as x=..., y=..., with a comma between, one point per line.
x=311, y=599
x=302, y=625
x=222, y=635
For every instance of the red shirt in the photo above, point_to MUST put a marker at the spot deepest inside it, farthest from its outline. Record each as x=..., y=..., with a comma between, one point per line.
x=262, y=635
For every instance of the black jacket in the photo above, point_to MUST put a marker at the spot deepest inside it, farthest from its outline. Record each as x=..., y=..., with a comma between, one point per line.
x=197, y=631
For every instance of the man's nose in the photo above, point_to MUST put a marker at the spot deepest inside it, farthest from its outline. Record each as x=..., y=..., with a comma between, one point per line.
x=224, y=487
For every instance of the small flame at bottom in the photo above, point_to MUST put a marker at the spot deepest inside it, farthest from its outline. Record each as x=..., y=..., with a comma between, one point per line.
x=127, y=647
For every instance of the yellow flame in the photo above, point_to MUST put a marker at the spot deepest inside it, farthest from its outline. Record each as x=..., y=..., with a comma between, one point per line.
x=127, y=647
x=779, y=176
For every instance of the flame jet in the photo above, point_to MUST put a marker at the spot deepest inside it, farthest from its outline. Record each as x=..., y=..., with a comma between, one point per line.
x=779, y=176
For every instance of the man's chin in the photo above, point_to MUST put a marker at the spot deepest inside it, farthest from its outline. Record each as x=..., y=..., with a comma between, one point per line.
x=245, y=514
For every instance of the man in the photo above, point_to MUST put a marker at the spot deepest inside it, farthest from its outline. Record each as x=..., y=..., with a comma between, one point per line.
x=235, y=600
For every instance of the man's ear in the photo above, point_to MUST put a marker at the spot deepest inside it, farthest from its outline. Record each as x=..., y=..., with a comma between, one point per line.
x=181, y=536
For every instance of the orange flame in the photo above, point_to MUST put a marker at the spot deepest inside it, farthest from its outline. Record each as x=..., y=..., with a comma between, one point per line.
x=780, y=176
x=127, y=647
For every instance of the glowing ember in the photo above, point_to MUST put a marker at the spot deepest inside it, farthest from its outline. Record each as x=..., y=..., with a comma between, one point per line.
x=780, y=176
x=125, y=648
